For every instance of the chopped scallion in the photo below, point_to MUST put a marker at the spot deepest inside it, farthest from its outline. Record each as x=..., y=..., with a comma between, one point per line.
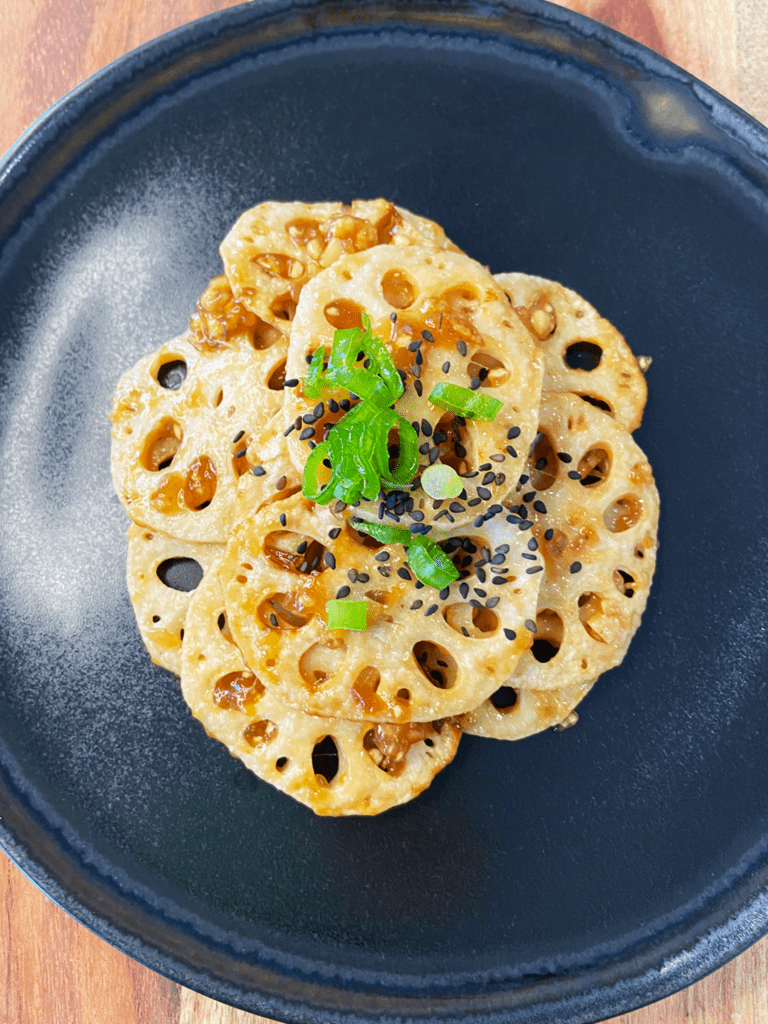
x=441, y=481
x=465, y=402
x=347, y=614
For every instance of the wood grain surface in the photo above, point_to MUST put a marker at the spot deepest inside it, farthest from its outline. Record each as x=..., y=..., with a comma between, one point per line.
x=54, y=971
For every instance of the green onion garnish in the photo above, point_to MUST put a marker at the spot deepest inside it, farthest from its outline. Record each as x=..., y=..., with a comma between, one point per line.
x=427, y=559
x=465, y=402
x=383, y=533
x=378, y=383
x=441, y=481
x=347, y=614
x=430, y=563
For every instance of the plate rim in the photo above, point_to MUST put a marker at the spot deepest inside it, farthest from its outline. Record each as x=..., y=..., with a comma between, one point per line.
x=735, y=924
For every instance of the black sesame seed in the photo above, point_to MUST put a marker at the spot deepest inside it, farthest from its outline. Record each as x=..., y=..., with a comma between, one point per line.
x=345, y=404
x=529, y=496
x=383, y=569
x=414, y=345
x=462, y=347
x=329, y=560
x=237, y=437
x=446, y=367
x=533, y=569
x=480, y=573
x=526, y=525
x=473, y=502
x=383, y=556
x=259, y=471
x=479, y=522
x=510, y=634
x=280, y=484
x=343, y=592
x=564, y=457
x=419, y=357
x=480, y=592
x=334, y=533
x=431, y=610
x=497, y=457
x=363, y=577
x=489, y=478
x=460, y=450
x=575, y=566
x=427, y=335
x=289, y=430
x=530, y=625
x=511, y=451
x=416, y=605
x=541, y=463
x=512, y=433
x=464, y=590
x=283, y=519
x=539, y=506
x=528, y=555
x=416, y=370
x=498, y=559
x=474, y=384
x=417, y=515
x=499, y=579
x=393, y=317
x=574, y=474
x=456, y=506
x=484, y=493
x=306, y=433
x=292, y=383
x=418, y=387
x=444, y=593
x=404, y=574
x=491, y=602
x=301, y=548
x=549, y=534
x=352, y=575
x=476, y=604
x=273, y=620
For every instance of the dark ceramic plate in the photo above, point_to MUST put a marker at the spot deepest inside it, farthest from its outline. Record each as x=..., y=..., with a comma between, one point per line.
x=567, y=878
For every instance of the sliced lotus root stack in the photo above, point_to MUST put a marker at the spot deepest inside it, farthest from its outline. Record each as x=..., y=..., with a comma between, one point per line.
x=163, y=573
x=424, y=654
x=513, y=714
x=274, y=249
x=182, y=421
x=443, y=320
x=333, y=766
x=590, y=498
x=583, y=352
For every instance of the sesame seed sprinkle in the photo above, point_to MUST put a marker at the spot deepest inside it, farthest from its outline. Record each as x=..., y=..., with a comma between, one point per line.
x=280, y=484
x=343, y=592
x=575, y=567
x=574, y=474
x=564, y=457
x=283, y=519
x=273, y=620
x=462, y=347
x=533, y=569
x=510, y=634
x=329, y=560
x=530, y=625
x=259, y=471
x=427, y=335
x=431, y=610
x=334, y=533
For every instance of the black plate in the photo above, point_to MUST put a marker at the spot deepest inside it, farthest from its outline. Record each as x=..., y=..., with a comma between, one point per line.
x=564, y=879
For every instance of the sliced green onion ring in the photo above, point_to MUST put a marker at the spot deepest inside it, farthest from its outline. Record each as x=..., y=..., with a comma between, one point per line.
x=347, y=614
x=441, y=481
x=430, y=563
x=465, y=402
x=381, y=532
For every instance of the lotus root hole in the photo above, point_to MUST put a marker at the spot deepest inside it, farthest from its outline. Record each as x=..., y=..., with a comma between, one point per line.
x=218, y=399
x=542, y=317
x=295, y=552
x=238, y=691
x=155, y=618
x=223, y=625
x=491, y=372
x=543, y=464
x=583, y=355
x=264, y=335
x=599, y=403
x=320, y=661
x=325, y=759
x=281, y=764
x=549, y=635
x=364, y=689
x=280, y=612
x=161, y=445
x=639, y=553
x=594, y=467
x=343, y=314
x=306, y=233
x=398, y=289
x=436, y=664
x=404, y=695
x=200, y=485
x=504, y=699
x=259, y=734
x=590, y=614
x=556, y=543
x=240, y=464
x=379, y=596
x=180, y=573
x=279, y=265
x=460, y=301
x=172, y=374
x=388, y=744
x=284, y=308
x=624, y=582
x=455, y=442
x=477, y=623
x=276, y=380
x=623, y=513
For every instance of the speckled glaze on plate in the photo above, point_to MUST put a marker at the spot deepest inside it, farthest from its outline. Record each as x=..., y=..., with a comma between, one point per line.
x=564, y=879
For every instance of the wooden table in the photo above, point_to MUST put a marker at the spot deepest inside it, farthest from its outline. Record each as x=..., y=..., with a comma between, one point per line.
x=52, y=970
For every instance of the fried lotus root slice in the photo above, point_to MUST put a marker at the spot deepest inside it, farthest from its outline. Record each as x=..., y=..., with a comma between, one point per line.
x=182, y=421
x=333, y=766
x=163, y=573
x=583, y=352
x=512, y=714
x=452, y=324
x=271, y=476
x=591, y=497
x=275, y=248
x=424, y=654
